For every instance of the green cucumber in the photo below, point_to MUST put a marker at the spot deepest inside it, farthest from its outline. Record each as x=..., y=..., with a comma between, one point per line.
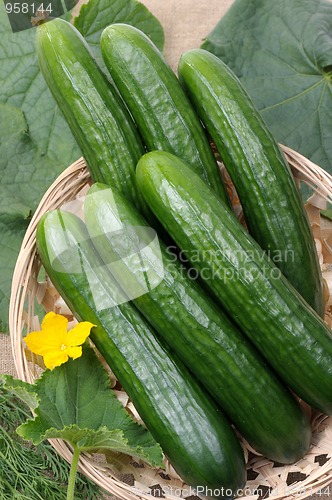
x=98, y=118
x=243, y=279
x=195, y=435
x=260, y=407
x=155, y=98
x=272, y=205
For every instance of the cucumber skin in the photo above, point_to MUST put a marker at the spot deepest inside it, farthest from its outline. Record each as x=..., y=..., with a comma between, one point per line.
x=284, y=328
x=98, y=119
x=198, y=440
x=271, y=202
x=163, y=113
x=207, y=342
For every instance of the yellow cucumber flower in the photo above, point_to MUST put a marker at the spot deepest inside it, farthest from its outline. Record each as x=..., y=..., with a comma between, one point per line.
x=55, y=343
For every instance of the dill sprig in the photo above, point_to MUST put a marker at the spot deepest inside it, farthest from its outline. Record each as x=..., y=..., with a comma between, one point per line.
x=32, y=472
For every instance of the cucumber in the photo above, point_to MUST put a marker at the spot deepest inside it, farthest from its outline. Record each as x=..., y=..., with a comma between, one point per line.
x=194, y=434
x=260, y=407
x=155, y=98
x=98, y=118
x=243, y=279
x=272, y=205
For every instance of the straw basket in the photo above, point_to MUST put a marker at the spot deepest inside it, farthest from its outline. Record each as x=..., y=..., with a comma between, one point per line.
x=121, y=477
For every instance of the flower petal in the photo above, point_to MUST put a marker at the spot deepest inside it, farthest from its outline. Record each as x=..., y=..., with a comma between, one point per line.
x=54, y=323
x=78, y=334
x=54, y=343
x=74, y=352
x=40, y=343
x=55, y=358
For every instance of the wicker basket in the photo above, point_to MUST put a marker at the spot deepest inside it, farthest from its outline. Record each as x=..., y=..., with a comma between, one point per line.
x=120, y=476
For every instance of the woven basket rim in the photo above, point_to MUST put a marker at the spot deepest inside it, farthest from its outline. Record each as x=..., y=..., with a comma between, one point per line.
x=65, y=188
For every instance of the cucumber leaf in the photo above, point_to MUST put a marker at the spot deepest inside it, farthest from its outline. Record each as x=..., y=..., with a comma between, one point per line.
x=96, y=15
x=35, y=145
x=25, y=173
x=327, y=213
x=12, y=228
x=35, y=141
x=22, y=390
x=74, y=402
x=282, y=53
x=23, y=86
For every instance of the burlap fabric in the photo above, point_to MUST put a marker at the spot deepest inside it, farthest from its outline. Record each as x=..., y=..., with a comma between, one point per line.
x=186, y=23
x=6, y=358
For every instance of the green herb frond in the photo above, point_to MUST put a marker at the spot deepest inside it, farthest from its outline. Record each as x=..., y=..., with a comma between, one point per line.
x=28, y=471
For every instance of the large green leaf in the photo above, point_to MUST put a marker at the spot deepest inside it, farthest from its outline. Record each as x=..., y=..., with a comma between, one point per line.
x=35, y=141
x=96, y=15
x=74, y=402
x=23, y=86
x=35, y=145
x=25, y=173
x=282, y=52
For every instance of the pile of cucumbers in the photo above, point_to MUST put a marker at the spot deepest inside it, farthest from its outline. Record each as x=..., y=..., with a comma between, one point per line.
x=226, y=354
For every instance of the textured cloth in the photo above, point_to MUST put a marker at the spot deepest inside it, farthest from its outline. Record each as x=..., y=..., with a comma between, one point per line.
x=186, y=23
x=6, y=358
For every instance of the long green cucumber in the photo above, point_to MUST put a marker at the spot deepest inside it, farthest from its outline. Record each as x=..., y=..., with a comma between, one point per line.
x=260, y=407
x=154, y=96
x=98, y=118
x=194, y=434
x=272, y=205
x=285, y=329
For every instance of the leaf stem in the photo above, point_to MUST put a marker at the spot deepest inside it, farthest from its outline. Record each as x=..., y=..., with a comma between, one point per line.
x=72, y=475
x=64, y=6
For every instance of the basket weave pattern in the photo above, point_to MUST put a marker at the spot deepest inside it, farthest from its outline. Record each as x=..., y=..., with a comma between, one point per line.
x=120, y=476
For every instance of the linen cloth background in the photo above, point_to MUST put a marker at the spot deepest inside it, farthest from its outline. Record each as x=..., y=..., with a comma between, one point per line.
x=186, y=23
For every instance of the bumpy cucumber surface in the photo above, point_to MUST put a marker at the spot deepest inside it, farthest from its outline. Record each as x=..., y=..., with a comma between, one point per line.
x=153, y=94
x=261, y=408
x=271, y=201
x=287, y=331
x=194, y=434
x=97, y=116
